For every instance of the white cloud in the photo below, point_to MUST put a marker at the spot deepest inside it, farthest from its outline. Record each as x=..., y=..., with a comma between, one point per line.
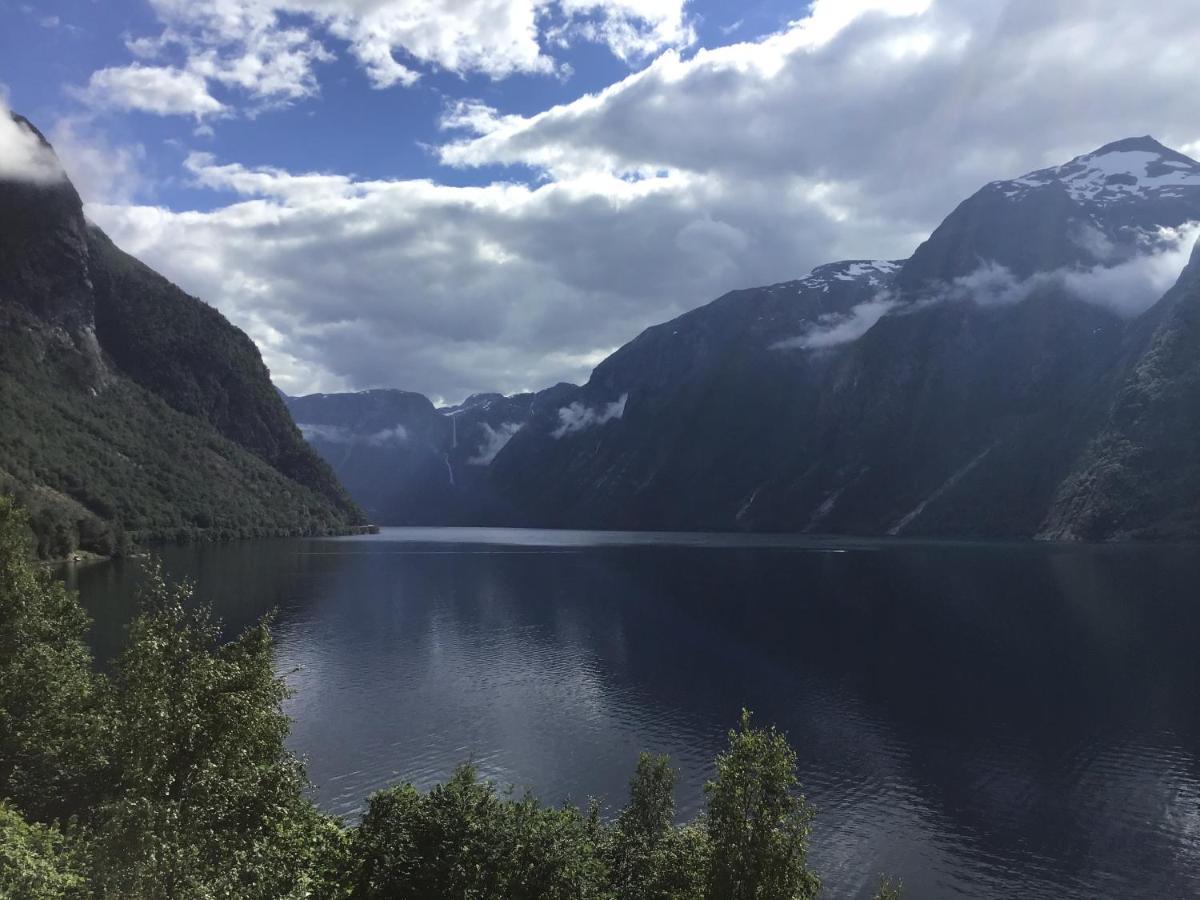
x=101, y=172
x=395, y=435
x=632, y=29
x=455, y=290
x=162, y=90
x=274, y=64
x=340, y=434
x=833, y=329
x=1133, y=286
x=849, y=134
x=494, y=440
x=332, y=434
x=882, y=108
x=247, y=46
x=23, y=157
x=578, y=417
x=1128, y=288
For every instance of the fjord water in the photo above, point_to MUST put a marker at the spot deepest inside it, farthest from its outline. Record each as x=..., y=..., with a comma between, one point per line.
x=981, y=720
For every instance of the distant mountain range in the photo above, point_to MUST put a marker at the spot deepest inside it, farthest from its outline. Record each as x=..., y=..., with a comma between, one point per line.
x=129, y=407
x=1033, y=370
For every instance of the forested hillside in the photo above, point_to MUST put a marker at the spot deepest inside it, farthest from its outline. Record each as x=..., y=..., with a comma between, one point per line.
x=129, y=409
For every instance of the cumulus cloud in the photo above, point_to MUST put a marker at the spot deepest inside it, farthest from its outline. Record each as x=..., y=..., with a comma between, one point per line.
x=834, y=329
x=101, y=171
x=848, y=134
x=23, y=157
x=456, y=290
x=494, y=440
x=248, y=46
x=161, y=90
x=579, y=417
x=893, y=108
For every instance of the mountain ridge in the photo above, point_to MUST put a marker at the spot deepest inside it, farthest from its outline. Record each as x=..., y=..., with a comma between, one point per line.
x=957, y=393
x=130, y=406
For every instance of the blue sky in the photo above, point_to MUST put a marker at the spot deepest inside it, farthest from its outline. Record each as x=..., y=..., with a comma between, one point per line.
x=50, y=48
x=452, y=196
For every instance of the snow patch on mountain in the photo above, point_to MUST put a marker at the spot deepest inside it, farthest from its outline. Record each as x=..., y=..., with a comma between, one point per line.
x=876, y=272
x=1129, y=170
x=578, y=417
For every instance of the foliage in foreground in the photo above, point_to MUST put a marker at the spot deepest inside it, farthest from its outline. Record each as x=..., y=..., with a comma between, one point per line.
x=168, y=777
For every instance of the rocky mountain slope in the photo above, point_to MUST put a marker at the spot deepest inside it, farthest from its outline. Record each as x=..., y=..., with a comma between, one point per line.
x=1021, y=375
x=1140, y=476
x=408, y=463
x=127, y=405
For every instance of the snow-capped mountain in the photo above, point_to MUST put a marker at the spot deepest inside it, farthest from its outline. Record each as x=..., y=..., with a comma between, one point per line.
x=1129, y=171
x=1021, y=374
x=1100, y=209
x=410, y=463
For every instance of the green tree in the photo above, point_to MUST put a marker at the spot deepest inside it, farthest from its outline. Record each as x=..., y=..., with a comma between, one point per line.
x=35, y=862
x=758, y=824
x=648, y=857
x=50, y=726
x=463, y=841
x=204, y=801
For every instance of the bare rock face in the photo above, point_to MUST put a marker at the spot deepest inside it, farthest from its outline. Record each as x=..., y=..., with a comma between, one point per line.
x=45, y=276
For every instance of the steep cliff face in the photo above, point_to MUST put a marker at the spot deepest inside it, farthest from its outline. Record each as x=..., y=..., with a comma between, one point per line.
x=45, y=273
x=953, y=394
x=126, y=403
x=187, y=353
x=1140, y=476
x=409, y=463
x=1021, y=375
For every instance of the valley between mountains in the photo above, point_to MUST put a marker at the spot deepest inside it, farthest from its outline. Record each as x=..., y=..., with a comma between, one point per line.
x=1031, y=371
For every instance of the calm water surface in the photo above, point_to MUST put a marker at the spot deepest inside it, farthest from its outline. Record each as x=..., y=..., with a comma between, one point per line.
x=982, y=720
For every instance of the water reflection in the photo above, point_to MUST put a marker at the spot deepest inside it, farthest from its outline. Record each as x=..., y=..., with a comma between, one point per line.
x=981, y=720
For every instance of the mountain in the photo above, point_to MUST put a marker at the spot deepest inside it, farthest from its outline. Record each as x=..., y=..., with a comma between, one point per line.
x=1021, y=375
x=128, y=405
x=408, y=463
x=952, y=396
x=1140, y=476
